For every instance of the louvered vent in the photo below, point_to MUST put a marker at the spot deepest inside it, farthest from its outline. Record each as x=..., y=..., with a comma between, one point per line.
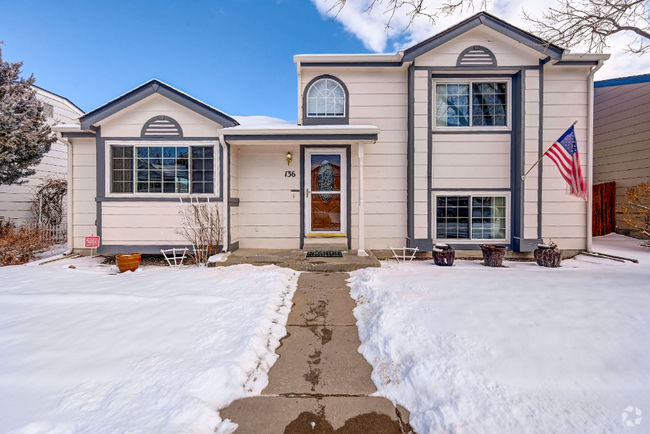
x=476, y=56
x=161, y=126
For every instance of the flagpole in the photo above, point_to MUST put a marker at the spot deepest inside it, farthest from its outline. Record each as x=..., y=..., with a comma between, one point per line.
x=523, y=178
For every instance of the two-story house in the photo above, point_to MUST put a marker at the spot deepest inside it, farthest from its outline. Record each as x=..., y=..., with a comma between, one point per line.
x=425, y=145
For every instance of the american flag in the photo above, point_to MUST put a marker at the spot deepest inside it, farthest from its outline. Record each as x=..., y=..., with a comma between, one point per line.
x=564, y=153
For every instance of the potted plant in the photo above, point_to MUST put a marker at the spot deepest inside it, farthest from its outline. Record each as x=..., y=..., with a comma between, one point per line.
x=443, y=255
x=128, y=261
x=548, y=255
x=493, y=255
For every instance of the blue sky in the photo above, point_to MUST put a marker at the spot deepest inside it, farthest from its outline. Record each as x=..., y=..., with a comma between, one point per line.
x=236, y=55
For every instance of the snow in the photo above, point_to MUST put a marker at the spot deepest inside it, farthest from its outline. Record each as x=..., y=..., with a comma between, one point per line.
x=523, y=349
x=219, y=257
x=159, y=350
x=263, y=122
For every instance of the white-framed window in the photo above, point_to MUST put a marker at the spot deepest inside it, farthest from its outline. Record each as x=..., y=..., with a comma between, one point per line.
x=48, y=110
x=474, y=104
x=326, y=98
x=162, y=168
x=472, y=216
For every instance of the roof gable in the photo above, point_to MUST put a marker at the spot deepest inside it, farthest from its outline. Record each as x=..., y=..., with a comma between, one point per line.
x=494, y=23
x=147, y=89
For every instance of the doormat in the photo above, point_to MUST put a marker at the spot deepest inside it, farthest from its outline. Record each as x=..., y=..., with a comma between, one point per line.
x=326, y=254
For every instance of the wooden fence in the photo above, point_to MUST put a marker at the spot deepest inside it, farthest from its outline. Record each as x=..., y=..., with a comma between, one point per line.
x=604, y=209
x=54, y=234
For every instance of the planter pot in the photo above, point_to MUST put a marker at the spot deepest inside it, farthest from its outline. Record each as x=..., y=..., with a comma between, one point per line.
x=493, y=255
x=547, y=256
x=443, y=255
x=128, y=261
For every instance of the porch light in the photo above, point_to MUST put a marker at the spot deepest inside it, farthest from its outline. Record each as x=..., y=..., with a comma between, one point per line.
x=289, y=158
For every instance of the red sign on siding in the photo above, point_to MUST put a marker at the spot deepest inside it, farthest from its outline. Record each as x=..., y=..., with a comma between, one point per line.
x=92, y=242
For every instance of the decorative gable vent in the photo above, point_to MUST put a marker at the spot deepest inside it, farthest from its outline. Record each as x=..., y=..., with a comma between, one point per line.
x=161, y=126
x=476, y=55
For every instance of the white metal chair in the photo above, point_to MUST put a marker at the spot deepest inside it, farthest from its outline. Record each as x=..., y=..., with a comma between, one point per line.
x=406, y=253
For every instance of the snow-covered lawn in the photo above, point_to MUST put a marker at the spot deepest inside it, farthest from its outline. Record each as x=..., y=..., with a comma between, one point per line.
x=156, y=351
x=521, y=349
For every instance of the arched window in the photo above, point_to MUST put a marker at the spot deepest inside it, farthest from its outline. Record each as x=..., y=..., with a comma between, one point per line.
x=326, y=98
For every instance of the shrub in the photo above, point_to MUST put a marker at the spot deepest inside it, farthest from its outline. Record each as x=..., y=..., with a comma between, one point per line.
x=203, y=228
x=636, y=212
x=20, y=245
x=47, y=201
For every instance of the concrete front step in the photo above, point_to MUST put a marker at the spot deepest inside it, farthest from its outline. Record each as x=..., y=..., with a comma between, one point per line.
x=297, y=260
x=333, y=245
x=328, y=414
x=320, y=359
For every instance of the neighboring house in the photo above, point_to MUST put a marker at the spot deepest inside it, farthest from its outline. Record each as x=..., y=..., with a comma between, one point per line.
x=621, y=142
x=15, y=199
x=422, y=146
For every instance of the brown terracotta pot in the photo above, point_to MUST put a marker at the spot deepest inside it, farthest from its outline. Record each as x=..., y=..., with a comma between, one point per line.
x=128, y=261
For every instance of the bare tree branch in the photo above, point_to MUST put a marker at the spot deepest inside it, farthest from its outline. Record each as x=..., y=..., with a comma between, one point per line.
x=593, y=22
x=414, y=9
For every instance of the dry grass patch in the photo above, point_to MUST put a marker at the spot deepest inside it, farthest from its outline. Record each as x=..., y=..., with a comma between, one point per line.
x=20, y=245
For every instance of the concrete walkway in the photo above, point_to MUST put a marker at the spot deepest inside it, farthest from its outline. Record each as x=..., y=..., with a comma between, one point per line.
x=320, y=383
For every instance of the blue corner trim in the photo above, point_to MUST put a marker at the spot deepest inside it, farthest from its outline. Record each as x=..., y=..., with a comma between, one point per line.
x=634, y=79
x=148, y=89
x=576, y=63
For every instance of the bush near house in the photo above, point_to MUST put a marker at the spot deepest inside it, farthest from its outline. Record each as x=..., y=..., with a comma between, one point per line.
x=20, y=245
x=636, y=212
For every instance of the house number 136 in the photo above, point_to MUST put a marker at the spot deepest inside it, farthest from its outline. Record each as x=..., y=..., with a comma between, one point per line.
x=290, y=174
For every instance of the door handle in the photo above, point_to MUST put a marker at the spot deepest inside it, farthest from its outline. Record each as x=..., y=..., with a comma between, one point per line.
x=307, y=192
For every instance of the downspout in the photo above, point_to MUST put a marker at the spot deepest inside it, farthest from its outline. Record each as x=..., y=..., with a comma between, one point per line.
x=70, y=202
x=590, y=153
x=299, y=94
x=226, y=190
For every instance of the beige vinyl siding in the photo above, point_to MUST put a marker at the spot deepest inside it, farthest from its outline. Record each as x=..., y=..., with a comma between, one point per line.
x=129, y=122
x=84, y=189
x=129, y=223
x=506, y=51
x=564, y=217
x=622, y=139
x=421, y=148
x=15, y=199
x=234, y=193
x=269, y=212
x=531, y=149
x=470, y=161
x=378, y=96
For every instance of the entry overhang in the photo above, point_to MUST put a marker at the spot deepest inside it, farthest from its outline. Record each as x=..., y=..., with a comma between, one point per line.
x=304, y=134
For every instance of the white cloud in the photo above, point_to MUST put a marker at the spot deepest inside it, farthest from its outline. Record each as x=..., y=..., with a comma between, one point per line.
x=370, y=29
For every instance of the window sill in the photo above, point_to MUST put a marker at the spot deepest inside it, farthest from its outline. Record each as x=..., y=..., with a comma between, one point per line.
x=468, y=241
x=471, y=130
x=157, y=198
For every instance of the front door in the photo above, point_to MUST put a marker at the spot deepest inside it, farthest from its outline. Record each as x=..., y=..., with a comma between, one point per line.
x=325, y=190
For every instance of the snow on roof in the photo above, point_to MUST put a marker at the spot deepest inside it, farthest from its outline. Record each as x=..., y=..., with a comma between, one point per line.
x=262, y=122
x=261, y=125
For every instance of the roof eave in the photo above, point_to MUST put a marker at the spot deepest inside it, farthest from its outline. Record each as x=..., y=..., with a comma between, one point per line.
x=348, y=58
x=496, y=24
x=148, y=89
